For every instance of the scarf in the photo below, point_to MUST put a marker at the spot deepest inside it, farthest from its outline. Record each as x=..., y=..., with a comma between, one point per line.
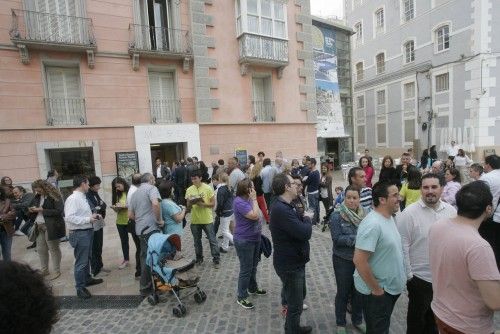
x=354, y=217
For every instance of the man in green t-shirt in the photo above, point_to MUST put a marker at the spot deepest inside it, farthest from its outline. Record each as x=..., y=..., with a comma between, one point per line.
x=200, y=199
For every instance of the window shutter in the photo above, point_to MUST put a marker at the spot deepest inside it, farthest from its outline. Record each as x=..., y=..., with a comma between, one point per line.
x=161, y=86
x=63, y=83
x=258, y=89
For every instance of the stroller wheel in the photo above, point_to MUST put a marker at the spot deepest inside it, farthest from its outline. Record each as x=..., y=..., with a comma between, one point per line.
x=200, y=296
x=179, y=311
x=153, y=299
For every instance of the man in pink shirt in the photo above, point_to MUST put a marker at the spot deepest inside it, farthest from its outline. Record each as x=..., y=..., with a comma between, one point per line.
x=465, y=277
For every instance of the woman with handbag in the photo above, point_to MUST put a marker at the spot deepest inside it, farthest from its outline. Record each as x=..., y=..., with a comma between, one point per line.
x=7, y=217
x=46, y=210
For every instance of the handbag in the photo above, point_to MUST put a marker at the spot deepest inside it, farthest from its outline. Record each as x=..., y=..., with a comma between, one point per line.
x=33, y=233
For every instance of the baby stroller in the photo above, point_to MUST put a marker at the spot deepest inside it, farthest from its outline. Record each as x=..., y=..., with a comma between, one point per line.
x=171, y=272
x=326, y=219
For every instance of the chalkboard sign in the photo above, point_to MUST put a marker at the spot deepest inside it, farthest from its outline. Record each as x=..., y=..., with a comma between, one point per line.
x=241, y=154
x=127, y=164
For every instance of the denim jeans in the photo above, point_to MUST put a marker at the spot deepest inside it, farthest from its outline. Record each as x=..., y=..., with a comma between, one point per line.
x=249, y=255
x=377, y=311
x=313, y=200
x=81, y=241
x=420, y=318
x=6, y=244
x=294, y=292
x=344, y=269
x=96, y=257
x=209, y=232
x=123, y=233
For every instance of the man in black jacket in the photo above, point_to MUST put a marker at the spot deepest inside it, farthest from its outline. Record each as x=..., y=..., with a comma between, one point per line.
x=161, y=171
x=97, y=206
x=290, y=236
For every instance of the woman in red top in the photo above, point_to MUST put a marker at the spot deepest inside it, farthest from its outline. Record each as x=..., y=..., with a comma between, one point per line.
x=366, y=164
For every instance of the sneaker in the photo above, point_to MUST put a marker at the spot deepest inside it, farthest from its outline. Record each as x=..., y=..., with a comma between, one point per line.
x=304, y=307
x=340, y=330
x=83, y=293
x=222, y=250
x=216, y=264
x=137, y=276
x=18, y=233
x=199, y=261
x=245, y=303
x=94, y=281
x=258, y=292
x=360, y=327
x=123, y=265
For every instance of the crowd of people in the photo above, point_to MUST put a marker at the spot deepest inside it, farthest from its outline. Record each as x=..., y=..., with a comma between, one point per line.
x=423, y=227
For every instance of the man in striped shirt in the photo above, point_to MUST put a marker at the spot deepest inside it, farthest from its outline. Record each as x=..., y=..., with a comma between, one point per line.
x=356, y=178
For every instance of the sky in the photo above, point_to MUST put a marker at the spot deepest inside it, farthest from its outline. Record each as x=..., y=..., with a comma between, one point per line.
x=327, y=8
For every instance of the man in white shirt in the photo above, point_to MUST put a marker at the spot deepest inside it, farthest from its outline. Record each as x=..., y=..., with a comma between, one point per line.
x=453, y=150
x=79, y=221
x=490, y=229
x=413, y=225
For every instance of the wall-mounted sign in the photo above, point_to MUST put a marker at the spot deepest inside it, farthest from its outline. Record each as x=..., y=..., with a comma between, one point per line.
x=242, y=156
x=127, y=164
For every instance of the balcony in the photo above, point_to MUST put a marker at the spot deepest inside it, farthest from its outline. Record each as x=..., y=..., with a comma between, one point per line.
x=45, y=31
x=263, y=111
x=165, y=111
x=262, y=51
x=159, y=42
x=65, y=111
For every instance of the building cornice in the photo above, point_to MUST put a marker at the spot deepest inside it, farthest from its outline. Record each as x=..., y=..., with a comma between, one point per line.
x=379, y=79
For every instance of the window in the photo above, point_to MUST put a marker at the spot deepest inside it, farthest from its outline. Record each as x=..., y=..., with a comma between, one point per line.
x=64, y=102
x=409, y=130
x=263, y=105
x=409, y=52
x=261, y=17
x=360, y=73
x=154, y=28
x=442, y=38
x=358, y=27
x=361, y=134
x=381, y=133
x=379, y=20
x=164, y=106
x=381, y=97
x=360, y=102
x=380, y=59
x=409, y=90
x=408, y=10
x=442, y=83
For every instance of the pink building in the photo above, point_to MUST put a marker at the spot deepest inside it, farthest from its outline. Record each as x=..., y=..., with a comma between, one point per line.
x=83, y=79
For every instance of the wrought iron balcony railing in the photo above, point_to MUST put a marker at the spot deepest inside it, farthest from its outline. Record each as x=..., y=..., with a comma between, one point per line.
x=159, y=40
x=165, y=111
x=31, y=27
x=263, y=50
x=65, y=111
x=263, y=111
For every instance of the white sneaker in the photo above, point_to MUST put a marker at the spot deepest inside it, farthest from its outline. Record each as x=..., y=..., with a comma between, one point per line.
x=18, y=233
x=123, y=265
x=305, y=307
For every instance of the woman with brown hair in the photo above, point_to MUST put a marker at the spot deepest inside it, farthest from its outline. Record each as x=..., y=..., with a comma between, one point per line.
x=46, y=210
x=257, y=183
x=7, y=216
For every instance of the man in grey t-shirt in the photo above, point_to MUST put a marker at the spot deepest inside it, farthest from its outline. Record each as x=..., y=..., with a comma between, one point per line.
x=145, y=210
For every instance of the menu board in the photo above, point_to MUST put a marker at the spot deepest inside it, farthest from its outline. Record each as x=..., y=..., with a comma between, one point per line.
x=127, y=164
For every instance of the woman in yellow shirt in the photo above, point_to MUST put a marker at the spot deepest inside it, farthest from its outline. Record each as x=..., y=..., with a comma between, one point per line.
x=410, y=190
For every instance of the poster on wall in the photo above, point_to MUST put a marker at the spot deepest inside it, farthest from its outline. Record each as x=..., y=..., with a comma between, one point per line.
x=330, y=122
x=241, y=154
x=127, y=164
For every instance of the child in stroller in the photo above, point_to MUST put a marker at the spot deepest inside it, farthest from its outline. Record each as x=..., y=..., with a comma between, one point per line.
x=170, y=271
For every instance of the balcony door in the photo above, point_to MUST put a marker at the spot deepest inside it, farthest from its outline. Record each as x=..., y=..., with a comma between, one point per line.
x=163, y=103
x=58, y=21
x=153, y=28
x=263, y=105
x=64, y=103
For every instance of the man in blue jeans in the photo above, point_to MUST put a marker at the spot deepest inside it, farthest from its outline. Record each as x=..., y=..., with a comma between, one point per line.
x=380, y=275
x=79, y=221
x=290, y=236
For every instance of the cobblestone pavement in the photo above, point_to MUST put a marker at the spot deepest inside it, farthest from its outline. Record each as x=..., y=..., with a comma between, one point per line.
x=219, y=313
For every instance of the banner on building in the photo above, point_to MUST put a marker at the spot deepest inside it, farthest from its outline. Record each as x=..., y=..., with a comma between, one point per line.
x=330, y=122
x=127, y=164
x=242, y=155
